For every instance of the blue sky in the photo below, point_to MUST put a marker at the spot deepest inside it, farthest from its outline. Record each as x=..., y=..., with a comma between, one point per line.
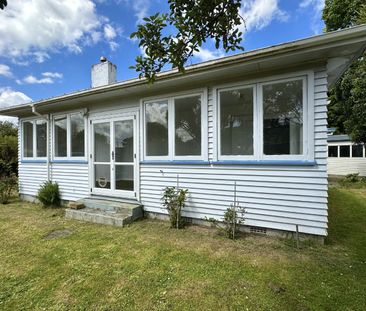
x=47, y=47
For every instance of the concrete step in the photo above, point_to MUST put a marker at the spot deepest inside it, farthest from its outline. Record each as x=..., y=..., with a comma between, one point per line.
x=99, y=216
x=101, y=211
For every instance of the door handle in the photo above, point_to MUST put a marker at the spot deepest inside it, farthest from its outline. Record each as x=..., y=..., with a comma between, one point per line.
x=112, y=155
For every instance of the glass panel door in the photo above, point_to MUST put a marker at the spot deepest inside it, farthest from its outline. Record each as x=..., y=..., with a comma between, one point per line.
x=102, y=155
x=114, y=157
x=124, y=155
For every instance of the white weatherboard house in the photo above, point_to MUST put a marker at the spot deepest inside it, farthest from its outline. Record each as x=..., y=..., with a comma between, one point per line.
x=257, y=118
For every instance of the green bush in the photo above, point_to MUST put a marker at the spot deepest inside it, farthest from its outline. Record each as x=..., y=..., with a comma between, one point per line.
x=9, y=152
x=174, y=200
x=8, y=185
x=352, y=178
x=234, y=216
x=49, y=194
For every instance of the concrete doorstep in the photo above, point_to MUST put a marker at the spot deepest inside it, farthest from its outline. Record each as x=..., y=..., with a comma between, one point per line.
x=106, y=212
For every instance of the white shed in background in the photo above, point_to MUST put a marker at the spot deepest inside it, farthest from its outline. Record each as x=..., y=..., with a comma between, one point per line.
x=345, y=157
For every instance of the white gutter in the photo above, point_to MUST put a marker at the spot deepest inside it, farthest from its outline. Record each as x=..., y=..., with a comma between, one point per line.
x=48, y=139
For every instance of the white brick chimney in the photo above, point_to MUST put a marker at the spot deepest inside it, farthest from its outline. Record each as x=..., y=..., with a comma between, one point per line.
x=103, y=73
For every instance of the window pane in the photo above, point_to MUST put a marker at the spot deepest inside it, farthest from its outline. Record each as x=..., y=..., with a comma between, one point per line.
x=124, y=177
x=102, y=142
x=28, y=139
x=283, y=118
x=41, y=136
x=61, y=137
x=236, y=124
x=357, y=151
x=344, y=151
x=77, y=135
x=157, y=128
x=123, y=137
x=102, y=173
x=333, y=151
x=188, y=126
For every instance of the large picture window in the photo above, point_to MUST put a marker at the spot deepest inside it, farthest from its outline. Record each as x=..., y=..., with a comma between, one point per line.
x=34, y=136
x=173, y=128
x=69, y=136
x=263, y=120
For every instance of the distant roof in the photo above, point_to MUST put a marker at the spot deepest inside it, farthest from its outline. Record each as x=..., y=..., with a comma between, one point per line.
x=334, y=138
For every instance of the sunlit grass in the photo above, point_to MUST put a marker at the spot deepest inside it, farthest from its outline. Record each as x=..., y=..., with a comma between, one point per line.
x=148, y=266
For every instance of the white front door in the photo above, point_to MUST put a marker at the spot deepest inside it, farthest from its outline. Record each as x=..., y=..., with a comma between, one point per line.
x=114, y=157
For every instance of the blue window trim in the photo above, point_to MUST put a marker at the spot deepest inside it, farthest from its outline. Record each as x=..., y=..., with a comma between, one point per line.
x=266, y=162
x=56, y=161
x=176, y=162
x=33, y=161
x=236, y=162
x=70, y=161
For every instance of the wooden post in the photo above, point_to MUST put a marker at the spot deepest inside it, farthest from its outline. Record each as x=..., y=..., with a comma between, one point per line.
x=178, y=207
x=234, y=207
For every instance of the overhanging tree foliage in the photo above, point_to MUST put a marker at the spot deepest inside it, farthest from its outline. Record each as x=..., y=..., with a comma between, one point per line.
x=3, y=4
x=347, y=107
x=172, y=38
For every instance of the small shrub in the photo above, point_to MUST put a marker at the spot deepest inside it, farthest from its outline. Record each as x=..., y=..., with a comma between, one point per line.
x=233, y=218
x=174, y=201
x=351, y=178
x=8, y=184
x=49, y=194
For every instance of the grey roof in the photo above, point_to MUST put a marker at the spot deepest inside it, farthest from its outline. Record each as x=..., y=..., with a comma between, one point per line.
x=334, y=138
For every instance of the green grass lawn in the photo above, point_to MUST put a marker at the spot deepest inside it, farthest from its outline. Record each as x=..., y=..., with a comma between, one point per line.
x=148, y=266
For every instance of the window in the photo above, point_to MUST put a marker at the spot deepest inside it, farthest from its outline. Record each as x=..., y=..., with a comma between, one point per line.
x=283, y=118
x=188, y=126
x=77, y=135
x=41, y=135
x=344, y=151
x=173, y=128
x=28, y=139
x=333, y=151
x=69, y=136
x=264, y=121
x=61, y=137
x=236, y=121
x=156, y=114
x=34, y=136
x=357, y=151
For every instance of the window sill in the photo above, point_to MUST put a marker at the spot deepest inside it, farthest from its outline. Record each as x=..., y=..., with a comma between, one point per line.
x=69, y=161
x=33, y=161
x=176, y=162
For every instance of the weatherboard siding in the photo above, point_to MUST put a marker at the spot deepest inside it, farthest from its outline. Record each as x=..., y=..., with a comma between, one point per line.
x=73, y=180
x=276, y=197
